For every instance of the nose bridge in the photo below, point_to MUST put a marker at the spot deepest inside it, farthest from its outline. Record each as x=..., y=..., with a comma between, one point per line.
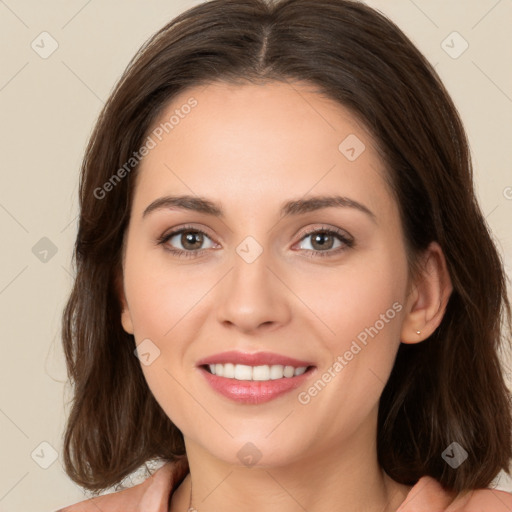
x=251, y=293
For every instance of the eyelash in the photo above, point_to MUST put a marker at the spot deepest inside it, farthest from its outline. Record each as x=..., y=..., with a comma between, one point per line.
x=348, y=242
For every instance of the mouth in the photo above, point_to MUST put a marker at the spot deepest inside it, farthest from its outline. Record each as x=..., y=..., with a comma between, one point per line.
x=254, y=378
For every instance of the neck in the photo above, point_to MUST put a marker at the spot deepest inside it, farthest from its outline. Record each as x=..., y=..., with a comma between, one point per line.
x=346, y=477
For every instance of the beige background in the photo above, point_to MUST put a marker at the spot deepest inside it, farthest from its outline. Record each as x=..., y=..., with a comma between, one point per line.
x=48, y=107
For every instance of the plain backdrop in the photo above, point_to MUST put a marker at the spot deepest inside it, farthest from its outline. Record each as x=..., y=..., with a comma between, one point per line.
x=49, y=103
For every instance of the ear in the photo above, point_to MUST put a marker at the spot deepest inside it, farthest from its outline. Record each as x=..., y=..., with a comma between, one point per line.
x=426, y=303
x=126, y=319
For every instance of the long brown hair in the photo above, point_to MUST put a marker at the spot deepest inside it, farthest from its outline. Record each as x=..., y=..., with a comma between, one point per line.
x=449, y=388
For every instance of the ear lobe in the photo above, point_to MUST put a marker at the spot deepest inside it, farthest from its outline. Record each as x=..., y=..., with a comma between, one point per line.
x=429, y=297
x=126, y=319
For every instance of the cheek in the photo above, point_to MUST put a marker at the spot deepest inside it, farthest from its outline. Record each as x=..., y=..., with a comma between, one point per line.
x=160, y=295
x=159, y=301
x=361, y=313
x=167, y=389
x=359, y=301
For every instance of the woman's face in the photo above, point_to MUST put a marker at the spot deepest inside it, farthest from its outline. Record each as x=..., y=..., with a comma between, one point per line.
x=252, y=277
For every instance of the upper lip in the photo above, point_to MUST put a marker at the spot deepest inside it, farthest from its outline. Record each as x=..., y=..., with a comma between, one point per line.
x=254, y=359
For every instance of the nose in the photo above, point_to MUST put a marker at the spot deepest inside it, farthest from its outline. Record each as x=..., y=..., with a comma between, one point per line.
x=253, y=296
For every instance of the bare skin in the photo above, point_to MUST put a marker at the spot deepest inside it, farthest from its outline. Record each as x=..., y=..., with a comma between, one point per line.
x=249, y=149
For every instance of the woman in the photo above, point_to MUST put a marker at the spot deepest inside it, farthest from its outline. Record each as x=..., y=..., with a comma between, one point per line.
x=285, y=287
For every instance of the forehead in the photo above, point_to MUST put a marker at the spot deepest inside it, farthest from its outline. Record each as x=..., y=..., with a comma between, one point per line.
x=259, y=143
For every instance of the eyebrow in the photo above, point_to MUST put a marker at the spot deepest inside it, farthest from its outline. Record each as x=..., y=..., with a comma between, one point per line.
x=292, y=207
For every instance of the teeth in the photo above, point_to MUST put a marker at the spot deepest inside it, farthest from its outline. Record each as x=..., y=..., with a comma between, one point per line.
x=276, y=371
x=288, y=371
x=243, y=372
x=261, y=373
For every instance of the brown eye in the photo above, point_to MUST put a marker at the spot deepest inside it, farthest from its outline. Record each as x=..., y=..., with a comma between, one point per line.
x=185, y=242
x=326, y=242
x=191, y=240
x=322, y=240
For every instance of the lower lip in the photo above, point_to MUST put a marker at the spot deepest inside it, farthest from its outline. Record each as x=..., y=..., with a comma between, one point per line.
x=254, y=392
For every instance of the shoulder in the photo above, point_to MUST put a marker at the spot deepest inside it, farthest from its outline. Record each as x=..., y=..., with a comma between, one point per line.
x=482, y=500
x=152, y=495
x=429, y=496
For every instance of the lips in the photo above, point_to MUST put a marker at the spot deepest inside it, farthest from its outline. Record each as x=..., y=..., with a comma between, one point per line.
x=285, y=374
x=256, y=359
